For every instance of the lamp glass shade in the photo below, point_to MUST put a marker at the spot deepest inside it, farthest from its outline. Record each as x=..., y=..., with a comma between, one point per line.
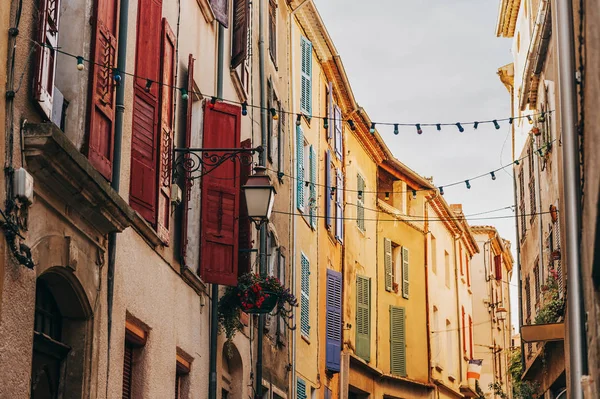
x=501, y=313
x=260, y=196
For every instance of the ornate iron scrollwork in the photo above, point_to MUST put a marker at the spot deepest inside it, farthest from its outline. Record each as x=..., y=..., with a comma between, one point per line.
x=193, y=163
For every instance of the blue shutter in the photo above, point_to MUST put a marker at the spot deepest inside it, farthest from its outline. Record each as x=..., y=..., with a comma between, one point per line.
x=299, y=168
x=306, y=72
x=301, y=389
x=339, y=142
x=328, y=194
x=339, y=206
x=304, y=295
x=313, y=188
x=333, y=324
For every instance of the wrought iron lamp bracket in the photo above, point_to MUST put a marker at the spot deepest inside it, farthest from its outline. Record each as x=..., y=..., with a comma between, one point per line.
x=194, y=163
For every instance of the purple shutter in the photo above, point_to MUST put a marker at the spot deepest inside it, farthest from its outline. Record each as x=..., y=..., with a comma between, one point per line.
x=330, y=115
x=333, y=324
x=328, y=189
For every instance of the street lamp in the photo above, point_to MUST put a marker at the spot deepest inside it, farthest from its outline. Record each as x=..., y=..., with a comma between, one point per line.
x=260, y=196
x=501, y=313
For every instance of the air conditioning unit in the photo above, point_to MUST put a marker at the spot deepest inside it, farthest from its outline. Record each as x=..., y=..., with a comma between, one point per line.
x=23, y=185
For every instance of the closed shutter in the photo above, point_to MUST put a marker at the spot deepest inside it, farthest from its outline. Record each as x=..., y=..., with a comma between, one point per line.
x=102, y=104
x=558, y=264
x=328, y=189
x=360, y=208
x=363, y=317
x=397, y=341
x=144, y=142
x=470, y=338
x=187, y=182
x=405, y=277
x=460, y=258
x=313, y=188
x=468, y=268
x=527, y=300
x=301, y=389
x=127, y=370
x=304, y=296
x=339, y=206
x=239, y=41
x=339, y=141
x=43, y=85
x=328, y=393
x=330, y=114
x=333, y=324
x=221, y=198
x=245, y=225
x=387, y=260
x=273, y=30
x=306, y=79
x=498, y=266
x=464, y=329
x=299, y=168
x=166, y=133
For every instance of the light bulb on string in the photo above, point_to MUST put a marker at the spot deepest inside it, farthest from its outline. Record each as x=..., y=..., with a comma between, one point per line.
x=460, y=128
x=441, y=190
x=244, y=108
x=475, y=125
x=298, y=120
x=468, y=184
x=387, y=196
x=213, y=101
x=360, y=193
x=529, y=119
x=325, y=123
x=493, y=175
x=352, y=125
x=274, y=114
x=510, y=120
x=419, y=130
x=542, y=118
x=496, y=124
x=439, y=126
x=414, y=193
x=184, y=94
x=516, y=162
x=372, y=130
x=148, y=85
x=396, y=131
x=80, y=65
x=117, y=76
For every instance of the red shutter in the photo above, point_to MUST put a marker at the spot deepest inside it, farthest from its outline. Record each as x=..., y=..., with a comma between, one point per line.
x=144, y=142
x=127, y=370
x=470, y=338
x=460, y=256
x=498, y=266
x=43, y=86
x=102, y=93
x=187, y=183
x=464, y=330
x=166, y=132
x=239, y=43
x=221, y=198
x=245, y=232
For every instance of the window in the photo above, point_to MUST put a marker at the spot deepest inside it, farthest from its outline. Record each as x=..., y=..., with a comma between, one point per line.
x=304, y=296
x=306, y=77
x=450, y=348
x=388, y=264
x=273, y=31
x=272, y=255
x=135, y=339
x=536, y=278
x=405, y=278
x=447, y=268
x=532, y=197
x=307, y=178
x=470, y=337
x=329, y=191
x=181, y=373
x=363, y=317
x=397, y=341
x=437, y=335
x=311, y=194
x=460, y=258
x=360, y=207
x=498, y=267
x=433, y=254
x=339, y=138
x=274, y=127
x=339, y=206
x=281, y=322
x=300, y=165
x=463, y=329
x=527, y=300
x=239, y=34
x=522, y=203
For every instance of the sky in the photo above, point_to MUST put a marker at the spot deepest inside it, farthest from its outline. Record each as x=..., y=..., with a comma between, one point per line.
x=434, y=61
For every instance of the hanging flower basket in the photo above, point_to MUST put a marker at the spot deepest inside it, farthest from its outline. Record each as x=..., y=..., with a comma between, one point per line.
x=254, y=294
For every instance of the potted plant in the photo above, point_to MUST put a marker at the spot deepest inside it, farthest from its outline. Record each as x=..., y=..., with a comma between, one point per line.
x=536, y=131
x=254, y=294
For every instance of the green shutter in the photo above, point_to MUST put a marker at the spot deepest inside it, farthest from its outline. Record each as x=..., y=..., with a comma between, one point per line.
x=304, y=295
x=363, y=317
x=299, y=168
x=397, y=341
x=313, y=188
x=405, y=285
x=306, y=79
x=301, y=389
x=387, y=258
x=360, y=208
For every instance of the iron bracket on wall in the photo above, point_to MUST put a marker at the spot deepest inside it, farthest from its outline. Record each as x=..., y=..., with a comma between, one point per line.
x=197, y=162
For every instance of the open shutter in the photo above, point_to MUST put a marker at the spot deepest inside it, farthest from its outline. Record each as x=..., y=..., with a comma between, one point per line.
x=221, y=198
x=102, y=104
x=127, y=370
x=166, y=133
x=330, y=114
x=328, y=189
x=498, y=266
x=333, y=325
x=339, y=143
x=360, y=208
x=387, y=259
x=405, y=280
x=144, y=142
x=301, y=389
x=464, y=329
x=304, y=295
x=339, y=206
x=313, y=188
x=239, y=41
x=43, y=86
x=397, y=341
x=363, y=317
x=187, y=182
x=245, y=229
x=299, y=168
x=306, y=79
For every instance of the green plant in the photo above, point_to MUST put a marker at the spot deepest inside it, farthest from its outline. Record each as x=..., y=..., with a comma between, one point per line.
x=249, y=295
x=521, y=389
x=553, y=306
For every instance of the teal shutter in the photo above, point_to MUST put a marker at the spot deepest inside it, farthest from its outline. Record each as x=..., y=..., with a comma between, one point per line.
x=397, y=341
x=306, y=79
x=313, y=188
x=304, y=295
x=360, y=207
x=387, y=259
x=300, y=389
x=405, y=284
x=299, y=168
x=363, y=317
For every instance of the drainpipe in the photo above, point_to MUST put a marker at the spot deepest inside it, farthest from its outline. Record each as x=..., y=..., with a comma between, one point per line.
x=214, y=319
x=539, y=190
x=116, y=172
x=427, y=231
x=458, y=318
x=572, y=194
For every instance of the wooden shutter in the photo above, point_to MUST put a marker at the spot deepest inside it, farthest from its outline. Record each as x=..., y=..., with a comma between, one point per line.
x=221, y=198
x=339, y=206
x=102, y=104
x=468, y=270
x=313, y=187
x=239, y=40
x=299, y=168
x=363, y=317
x=397, y=341
x=388, y=263
x=245, y=229
x=187, y=183
x=304, y=295
x=498, y=266
x=328, y=189
x=464, y=329
x=339, y=142
x=127, y=370
x=470, y=338
x=405, y=278
x=43, y=85
x=144, y=142
x=527, y=300
x=333, y=325
x=330, y=114
x=273, y=30
x=360, y=208
x=460, y=258
x=166, y=133
x=328, y=393
x=301, y=389
x=306, y=79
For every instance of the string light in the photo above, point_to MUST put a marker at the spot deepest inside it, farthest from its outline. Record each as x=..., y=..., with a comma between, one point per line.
x=80, y=65
x=439, y=126
x=298, y=120
x=460, y=128
x=148, y=85
x=117, y=77
x=387, y=196
x=244, y=108
x=496, y=124
x=396, y=131
x=372, y=130
x=414, y=193
x=184, y=94
x=468, y=184
x=516, y=162
x=529, y=119
x=542, y=118
x=419, y=130
x=510, y=120
x=441, y=190
x=352, y=125
x=325, y=123
x=274, y=114
x=475, y=125
x=360, y=194
x=493, y=175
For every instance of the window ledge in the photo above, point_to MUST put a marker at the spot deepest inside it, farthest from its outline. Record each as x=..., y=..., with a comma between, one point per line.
x=60, y=168
x=147, y=232
x=305, y=338
x=237, y=84
x=193, y=280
